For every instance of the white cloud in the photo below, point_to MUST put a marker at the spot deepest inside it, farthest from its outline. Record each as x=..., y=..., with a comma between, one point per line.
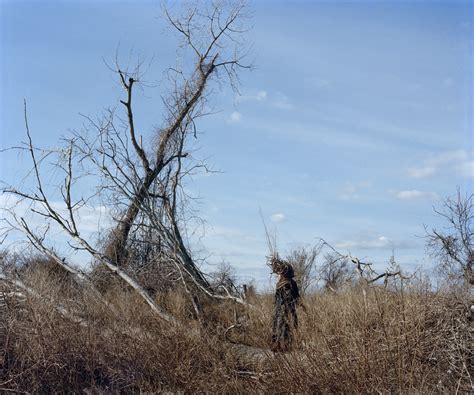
x=450, y=156
x=235, y=246
x=258, y=96
x=94, y=219
x=235, y=117
x=458, y=162
x=261, y=95
x=89, y=219
x=278, y=99
x=224, y=232
x=282, y=102
x=466, y=168
x=277, y=217
x=351, y=190
x=414, y=194
x=421, y=172
x=377, y=242
x=381, y=242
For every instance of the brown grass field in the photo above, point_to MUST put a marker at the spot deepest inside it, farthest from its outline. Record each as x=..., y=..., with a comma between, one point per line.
x=403, y=338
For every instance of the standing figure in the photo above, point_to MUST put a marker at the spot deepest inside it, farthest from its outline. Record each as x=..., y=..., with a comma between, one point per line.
x=287, y=297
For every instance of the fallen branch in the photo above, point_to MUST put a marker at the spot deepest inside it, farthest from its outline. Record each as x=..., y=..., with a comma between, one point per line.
x=57, y=306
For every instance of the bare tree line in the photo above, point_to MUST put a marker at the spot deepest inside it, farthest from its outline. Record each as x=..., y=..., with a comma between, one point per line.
x=452, y=247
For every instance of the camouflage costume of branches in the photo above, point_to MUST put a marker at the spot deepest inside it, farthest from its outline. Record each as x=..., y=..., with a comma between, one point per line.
x=284, y=316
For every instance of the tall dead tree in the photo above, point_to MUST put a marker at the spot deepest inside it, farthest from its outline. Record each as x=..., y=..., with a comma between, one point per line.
x=140, y=175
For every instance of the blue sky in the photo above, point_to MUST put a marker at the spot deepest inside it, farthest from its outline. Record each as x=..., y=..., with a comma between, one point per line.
x=355, y=121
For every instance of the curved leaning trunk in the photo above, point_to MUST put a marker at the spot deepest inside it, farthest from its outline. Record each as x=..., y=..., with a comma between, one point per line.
x=116, y=249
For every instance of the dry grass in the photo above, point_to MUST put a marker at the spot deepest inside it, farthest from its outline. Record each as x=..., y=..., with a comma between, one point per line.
x=398, y=340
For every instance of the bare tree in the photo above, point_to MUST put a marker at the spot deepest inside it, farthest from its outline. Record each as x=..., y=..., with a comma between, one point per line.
x=224, y=278
x=453, y=245
x=335, y=271
x=303, y=261
x=142, y=181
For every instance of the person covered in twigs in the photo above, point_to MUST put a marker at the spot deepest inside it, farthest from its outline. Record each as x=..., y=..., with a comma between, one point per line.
x=287, y=297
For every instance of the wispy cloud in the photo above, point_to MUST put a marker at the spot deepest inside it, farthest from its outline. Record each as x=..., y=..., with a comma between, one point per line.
x=282, y=102
x=352, y=190
x=377, y=242
x=277, y=217
x=460, y=162
x=466, y=168
x=374, y=243
x=257, y=96
x=235, y=117
x=275, y=99
x=232, y=244
x=415, y=194
x=89, y=219
x=421, y=172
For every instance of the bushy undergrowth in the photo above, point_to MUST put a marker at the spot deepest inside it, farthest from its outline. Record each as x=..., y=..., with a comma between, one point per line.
x=397, y=339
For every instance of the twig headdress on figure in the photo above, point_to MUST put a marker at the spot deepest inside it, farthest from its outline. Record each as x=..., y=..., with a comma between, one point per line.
x=280, y=266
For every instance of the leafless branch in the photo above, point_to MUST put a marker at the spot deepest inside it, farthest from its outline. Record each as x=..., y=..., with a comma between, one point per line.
x=454, y=246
